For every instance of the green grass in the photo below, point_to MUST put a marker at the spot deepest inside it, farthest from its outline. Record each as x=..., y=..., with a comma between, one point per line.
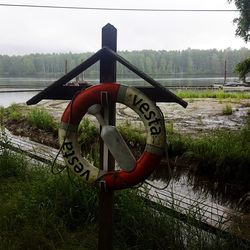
x=41, y=211
x=131, y=133
x=147, y=226
x=88, y=132
x=134, y=136
x=46, y=211
x=36, y=117
x=169, y=128
x=60, y=213
x=218, y=94
x=1, y=116
x=89, y=141
x=224, y=155
x=221, y=155
x=11, y=166
x=41, y=119
x=13, y=112
x=227, y=110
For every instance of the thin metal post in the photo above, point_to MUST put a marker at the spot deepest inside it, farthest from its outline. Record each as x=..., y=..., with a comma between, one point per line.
x=107, y=162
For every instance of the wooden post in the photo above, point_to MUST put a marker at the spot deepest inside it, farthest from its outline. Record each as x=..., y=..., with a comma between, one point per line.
x=82, y=74
x=66, y=67
x=225, y=72
x=107, y=162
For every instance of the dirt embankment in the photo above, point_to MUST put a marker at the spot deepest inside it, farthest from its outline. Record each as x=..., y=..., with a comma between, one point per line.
x=201, y=115
x=23, y=128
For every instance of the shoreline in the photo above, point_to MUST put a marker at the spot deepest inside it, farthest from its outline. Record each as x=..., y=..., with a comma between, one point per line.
x=201, y=115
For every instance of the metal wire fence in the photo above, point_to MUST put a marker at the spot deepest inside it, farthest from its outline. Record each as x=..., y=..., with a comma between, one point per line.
x=200, y=209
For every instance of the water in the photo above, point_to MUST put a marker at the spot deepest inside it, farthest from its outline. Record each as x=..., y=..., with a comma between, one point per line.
x=25, y=83
x=180, y=196
x=10, y=87
x=6, y=99
x=190, y=81
x=12, y=84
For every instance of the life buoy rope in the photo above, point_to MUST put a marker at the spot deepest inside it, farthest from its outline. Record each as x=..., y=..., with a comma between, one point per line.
x=137, y=101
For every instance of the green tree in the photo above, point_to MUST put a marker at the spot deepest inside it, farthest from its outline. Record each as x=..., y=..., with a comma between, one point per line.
x=1, y=67
x=242, y=69
x=156, y=63
x=189, y=64
x=243, y=21
x=215, y=64
x=29, y=65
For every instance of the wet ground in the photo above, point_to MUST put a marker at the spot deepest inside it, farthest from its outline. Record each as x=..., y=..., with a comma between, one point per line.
x=200, y=115
x=206, y=114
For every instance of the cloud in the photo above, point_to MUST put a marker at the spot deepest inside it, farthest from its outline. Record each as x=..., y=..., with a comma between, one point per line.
x=29, y=30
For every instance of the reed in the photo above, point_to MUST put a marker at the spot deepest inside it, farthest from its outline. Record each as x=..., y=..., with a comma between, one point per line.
x=10, y=165
x=222, y=155
x=14, y=112
x=41, y=119
x=227, y=110
x=1, y=116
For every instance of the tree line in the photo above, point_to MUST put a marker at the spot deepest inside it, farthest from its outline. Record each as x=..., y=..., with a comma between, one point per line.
x=155, y=63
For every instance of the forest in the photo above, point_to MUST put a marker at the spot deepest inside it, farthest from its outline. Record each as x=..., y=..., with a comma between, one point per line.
x=159, y=64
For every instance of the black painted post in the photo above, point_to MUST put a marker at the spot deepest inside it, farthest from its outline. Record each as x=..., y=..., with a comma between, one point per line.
x=107, y=74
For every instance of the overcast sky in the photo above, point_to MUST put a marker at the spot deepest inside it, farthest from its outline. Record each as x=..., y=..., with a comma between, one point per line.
x=32, y=30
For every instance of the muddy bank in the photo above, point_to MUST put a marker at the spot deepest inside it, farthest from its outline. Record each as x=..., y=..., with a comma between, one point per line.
x=200, y=115
x=23, y=128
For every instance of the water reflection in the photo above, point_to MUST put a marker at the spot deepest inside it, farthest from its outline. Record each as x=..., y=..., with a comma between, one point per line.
x=225, y=194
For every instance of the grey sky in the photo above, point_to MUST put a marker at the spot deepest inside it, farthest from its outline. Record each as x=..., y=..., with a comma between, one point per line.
x=30, y=30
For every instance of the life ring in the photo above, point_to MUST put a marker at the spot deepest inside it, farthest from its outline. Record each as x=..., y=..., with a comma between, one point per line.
x=137, y=101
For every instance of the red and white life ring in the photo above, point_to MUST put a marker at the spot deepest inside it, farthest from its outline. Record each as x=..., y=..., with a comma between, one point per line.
x=137, y=101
